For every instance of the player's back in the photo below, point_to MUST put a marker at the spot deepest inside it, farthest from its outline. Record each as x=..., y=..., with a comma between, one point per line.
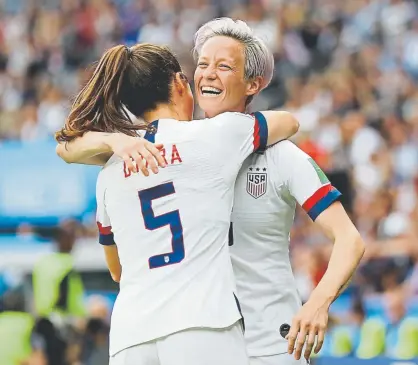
x=171, y=230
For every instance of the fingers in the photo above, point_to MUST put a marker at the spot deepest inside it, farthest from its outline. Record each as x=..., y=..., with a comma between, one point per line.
x=143, y=155
x=129, y=163
x=310, y=343
x=143, y=167
x=292, y=336
x=321, y=337
x=136, y=157
x=300, y=342
x=153, y=156
x=150, y=161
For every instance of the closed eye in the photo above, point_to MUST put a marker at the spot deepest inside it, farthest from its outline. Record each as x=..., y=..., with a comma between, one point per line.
x=202, y=64
x=225, y=66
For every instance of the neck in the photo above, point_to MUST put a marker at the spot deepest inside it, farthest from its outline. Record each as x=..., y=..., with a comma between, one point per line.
x=240, y=109
x=162, y=112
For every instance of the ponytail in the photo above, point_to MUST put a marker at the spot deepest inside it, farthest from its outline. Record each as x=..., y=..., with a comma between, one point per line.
x=98, y=106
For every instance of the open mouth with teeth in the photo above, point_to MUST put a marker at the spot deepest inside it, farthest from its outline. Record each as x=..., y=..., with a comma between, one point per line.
x=210, y=91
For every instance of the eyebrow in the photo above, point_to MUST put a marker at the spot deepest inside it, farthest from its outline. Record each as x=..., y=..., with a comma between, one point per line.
x=223, y=59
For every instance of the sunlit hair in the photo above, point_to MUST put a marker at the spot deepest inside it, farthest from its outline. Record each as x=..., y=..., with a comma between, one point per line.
x=258, y=58
x=137, y=79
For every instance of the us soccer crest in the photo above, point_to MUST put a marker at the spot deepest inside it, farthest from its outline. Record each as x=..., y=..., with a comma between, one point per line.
x=256, y=182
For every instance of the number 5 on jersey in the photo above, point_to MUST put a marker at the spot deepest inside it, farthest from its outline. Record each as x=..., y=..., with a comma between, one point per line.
x=153, y=222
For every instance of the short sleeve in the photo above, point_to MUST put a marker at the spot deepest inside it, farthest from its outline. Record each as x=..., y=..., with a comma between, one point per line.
x=244, y=133
x=260, y=133
x=305, y=180
x=103, y=222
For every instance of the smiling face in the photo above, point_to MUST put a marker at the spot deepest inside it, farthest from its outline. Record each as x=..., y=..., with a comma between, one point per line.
x=219, y=77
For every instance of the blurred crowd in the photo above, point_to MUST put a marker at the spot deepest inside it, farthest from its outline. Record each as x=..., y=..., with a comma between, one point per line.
x=347, y=69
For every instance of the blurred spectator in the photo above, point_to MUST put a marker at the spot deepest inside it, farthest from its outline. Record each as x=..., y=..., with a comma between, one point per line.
x=396, y=338
x=47, y=340
x=57, y=288
x=95, y=344
x=15, y=329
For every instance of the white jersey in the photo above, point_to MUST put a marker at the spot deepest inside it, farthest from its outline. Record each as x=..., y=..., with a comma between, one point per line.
x=267, y=190
x=171, y=229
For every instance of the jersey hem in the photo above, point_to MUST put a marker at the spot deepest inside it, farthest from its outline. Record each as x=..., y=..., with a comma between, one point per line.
x=281, y=349
x=169, y=333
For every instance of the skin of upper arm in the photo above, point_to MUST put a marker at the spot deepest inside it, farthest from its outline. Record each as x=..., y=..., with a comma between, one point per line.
x=281, y=125
x=113, y=263
x=334, y=221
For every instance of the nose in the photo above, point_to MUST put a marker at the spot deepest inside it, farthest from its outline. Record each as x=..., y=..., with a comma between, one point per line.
x=209, y=73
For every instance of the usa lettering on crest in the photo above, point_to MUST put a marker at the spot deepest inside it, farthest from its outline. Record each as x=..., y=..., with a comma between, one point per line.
x=256, y=184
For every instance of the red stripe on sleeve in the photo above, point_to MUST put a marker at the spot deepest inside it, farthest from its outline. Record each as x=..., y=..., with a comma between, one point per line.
x=104, y=230
x=256, y=135
x=316, y=197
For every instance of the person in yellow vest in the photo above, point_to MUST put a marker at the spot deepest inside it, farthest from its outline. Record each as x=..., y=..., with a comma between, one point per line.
x=57, y=288
x=15, y=329
x=396, y=338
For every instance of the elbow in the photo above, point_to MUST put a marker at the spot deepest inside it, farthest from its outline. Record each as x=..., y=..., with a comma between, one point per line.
x=359, y=247
x=294, y=124
x=291, y=122
x=62, y=153
x=116, y=277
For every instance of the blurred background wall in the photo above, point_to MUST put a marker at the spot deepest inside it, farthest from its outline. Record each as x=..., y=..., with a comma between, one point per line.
x=347, y=69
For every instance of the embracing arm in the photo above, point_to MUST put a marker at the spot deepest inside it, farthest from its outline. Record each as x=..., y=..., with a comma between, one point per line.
x=281, y=125
x=95, y=148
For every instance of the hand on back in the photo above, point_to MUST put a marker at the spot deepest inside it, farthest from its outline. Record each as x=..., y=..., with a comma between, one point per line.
x=137, y=153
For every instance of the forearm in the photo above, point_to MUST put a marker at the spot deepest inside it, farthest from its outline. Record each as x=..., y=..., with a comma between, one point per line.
x=91, y=148
x=346, y=255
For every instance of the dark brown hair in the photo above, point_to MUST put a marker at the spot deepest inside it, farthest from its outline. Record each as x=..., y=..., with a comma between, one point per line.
x=138, y=78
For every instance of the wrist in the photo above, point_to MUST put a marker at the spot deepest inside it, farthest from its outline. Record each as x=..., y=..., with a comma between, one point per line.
x=323, y=296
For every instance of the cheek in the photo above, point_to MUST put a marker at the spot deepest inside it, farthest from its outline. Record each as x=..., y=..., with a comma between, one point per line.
x=235, y=87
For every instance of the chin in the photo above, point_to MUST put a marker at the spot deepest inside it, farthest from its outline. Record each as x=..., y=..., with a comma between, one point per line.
x=212, y=110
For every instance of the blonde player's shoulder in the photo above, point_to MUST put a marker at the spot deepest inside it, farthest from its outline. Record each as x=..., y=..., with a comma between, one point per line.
x=283, y=146
x=228, y=122
x=285, y=152
x=232, y=116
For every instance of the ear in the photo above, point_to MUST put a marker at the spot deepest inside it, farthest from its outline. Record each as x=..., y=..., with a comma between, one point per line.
x=254, y=86
x=181, y=83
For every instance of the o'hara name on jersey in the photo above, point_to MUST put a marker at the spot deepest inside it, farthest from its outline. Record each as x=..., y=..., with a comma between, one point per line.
x=170, y=154
x=256, y=181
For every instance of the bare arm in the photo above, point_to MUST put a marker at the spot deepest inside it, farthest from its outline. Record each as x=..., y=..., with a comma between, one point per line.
x=91, y=149
x=281, y=125
x=113, y=263
x=312, y=319
x=95, y=148
x=347, y=252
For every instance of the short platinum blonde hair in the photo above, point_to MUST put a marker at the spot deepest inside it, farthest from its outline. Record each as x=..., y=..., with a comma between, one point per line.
x=258, y=58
